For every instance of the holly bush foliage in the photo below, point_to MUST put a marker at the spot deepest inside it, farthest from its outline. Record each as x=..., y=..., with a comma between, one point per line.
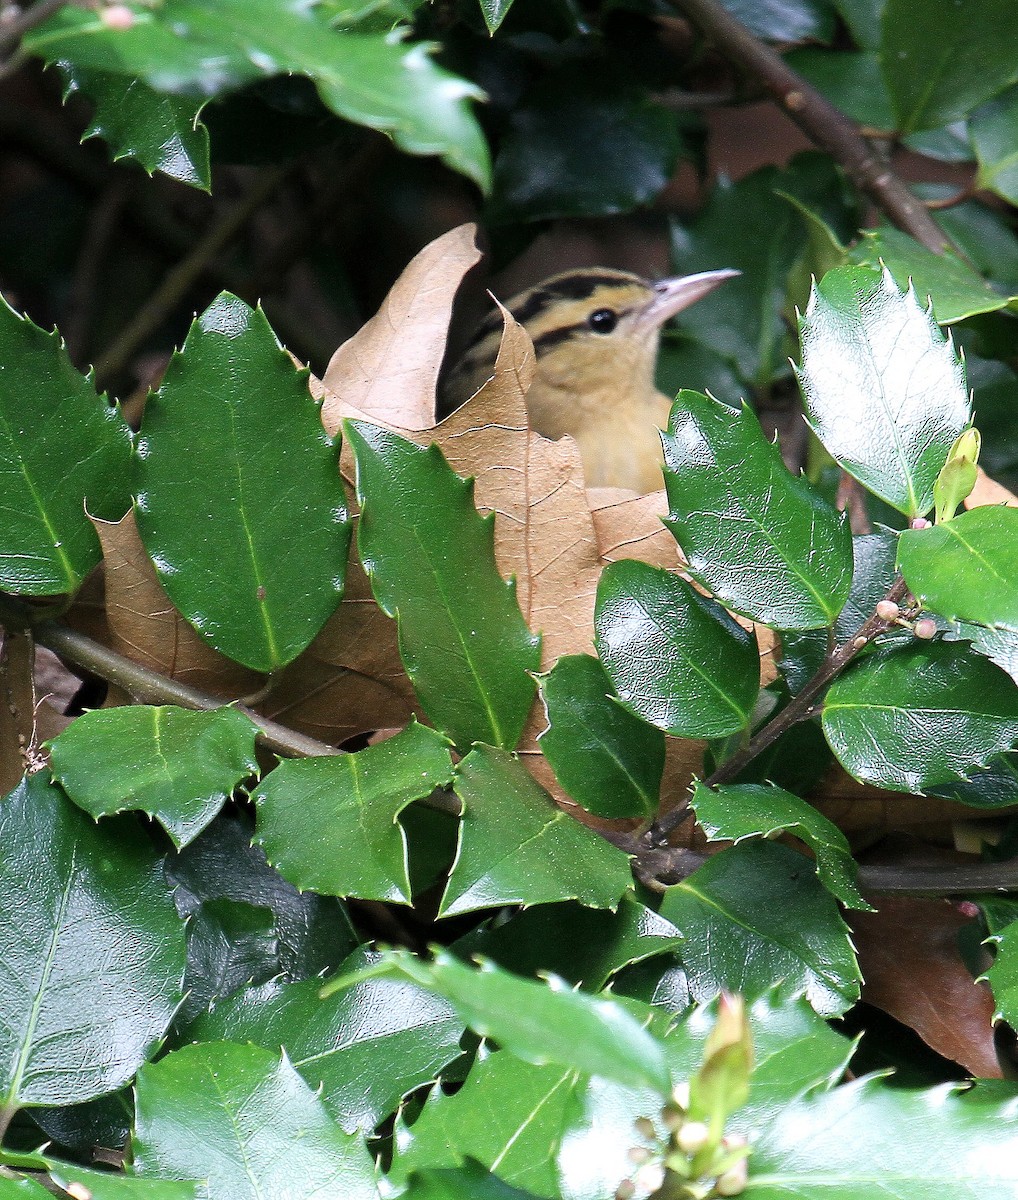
x=195, y=971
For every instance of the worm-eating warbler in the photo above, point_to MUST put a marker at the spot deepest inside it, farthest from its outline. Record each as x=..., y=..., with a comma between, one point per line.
x=595, y=335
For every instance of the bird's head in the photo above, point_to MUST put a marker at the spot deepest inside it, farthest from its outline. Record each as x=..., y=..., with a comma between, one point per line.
x=595, y=333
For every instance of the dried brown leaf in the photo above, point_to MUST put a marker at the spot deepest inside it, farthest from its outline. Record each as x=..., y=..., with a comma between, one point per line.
x=987, y=491
x=145, y=627
x=388, y=371
x=912, y=967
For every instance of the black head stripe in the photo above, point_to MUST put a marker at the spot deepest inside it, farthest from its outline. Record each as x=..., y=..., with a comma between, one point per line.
x=555, y=337
x=578, y=285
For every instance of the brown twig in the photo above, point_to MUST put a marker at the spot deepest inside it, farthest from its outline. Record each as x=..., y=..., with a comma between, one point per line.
x=149, y=687
x=656, y=866
x=824, y=124
x=184, y=275
x=11, y=32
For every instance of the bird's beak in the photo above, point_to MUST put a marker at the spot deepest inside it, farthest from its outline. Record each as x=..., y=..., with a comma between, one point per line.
x=671, y=296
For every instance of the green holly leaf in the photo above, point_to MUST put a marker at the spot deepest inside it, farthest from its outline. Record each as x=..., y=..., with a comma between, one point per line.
x=614, y=149
x=518, y=847
x=928, y=1143
x=494, y=12
x=189, y=47
x=1003, y=975
x=954, y=288
x=178, y=766
x=233, y=1115
x=462, y=637
x=920, y=716
x=992, y=129
x=884, y=390
x=609, y=761
x=507, y=1116
x=218, y=448
x=581, y=945
x=77, y=896
x=353, y=801
x=105, y=1185
x=739, y=811
x=964, y=568
x=675, y=658
x=941, y=67
x=362, y=1049
x=157, y=129
x=64, y=453
x=756, y=914
x=540, y=1021
x=760, y=539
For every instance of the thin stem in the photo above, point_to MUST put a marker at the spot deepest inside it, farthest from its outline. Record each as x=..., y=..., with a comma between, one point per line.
x=149, y=687
x=11, y=32
x=801, y=707
x=824, y=124
x=184, y=275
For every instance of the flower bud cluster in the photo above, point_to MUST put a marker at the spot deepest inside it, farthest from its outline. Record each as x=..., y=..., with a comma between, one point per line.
x=682, y=1160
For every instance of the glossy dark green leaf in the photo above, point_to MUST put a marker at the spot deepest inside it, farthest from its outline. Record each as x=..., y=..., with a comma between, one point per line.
x=77, y=896
x=885, y=392
x=998, y=643
x=543, y=1022
x=518, y=847
x=1003, y=975
x=609, y=761
x=224, y=440
x=920, y=716
x=868, y=1140
x=230, y=945
x=677, y=659
x=941, y=67
x=370, y=79
x=749, y=226
x=853, y=82
x=461, y=635
x=494, y=12
x=364, y=1047
x=965, y=568
x=996, y=787
x=785, y=20
x=157, y=129
x=235, y=1115
x=107, y=1185
x=581, y=945
x=64, y=453
x=956, y=290
x=994, y=133
x=739, y=811
x=755, y=915
x=580, y=144
x=469, y=1182
x=236, y=905
x=13, y=1188
x=353, y=802
x=508, y=1115
x=178, y=766
x=863, y=20
x=761, y=540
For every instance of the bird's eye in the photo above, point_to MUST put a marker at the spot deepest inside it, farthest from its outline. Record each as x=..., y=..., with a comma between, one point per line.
x=603, y=320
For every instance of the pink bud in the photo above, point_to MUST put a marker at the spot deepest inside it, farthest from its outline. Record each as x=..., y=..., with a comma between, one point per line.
x=919, y=523
x=966, y=908
x=117, y=16
x=925, y=628
x=887, y=610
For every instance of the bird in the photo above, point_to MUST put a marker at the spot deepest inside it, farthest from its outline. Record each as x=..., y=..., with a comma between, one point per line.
x=596, y=334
